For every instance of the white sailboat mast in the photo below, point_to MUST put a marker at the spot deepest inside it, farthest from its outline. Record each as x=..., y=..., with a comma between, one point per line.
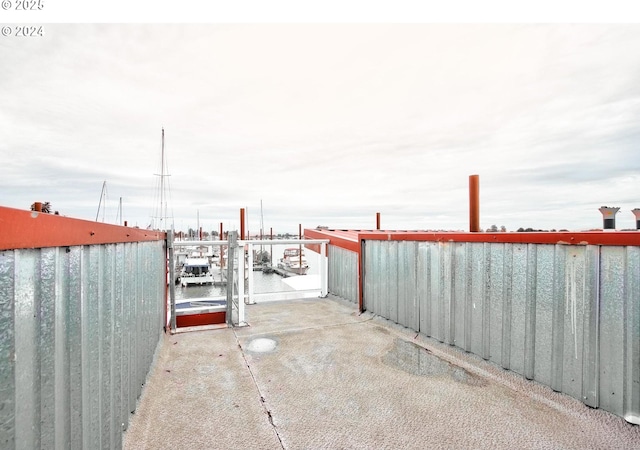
x=161, y=214
x=163, y=204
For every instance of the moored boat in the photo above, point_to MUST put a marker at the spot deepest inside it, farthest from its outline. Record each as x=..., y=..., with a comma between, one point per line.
x=294, y=261
x=196, y=271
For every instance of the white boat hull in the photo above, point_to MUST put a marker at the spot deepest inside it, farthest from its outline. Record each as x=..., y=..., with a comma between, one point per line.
x=196, y=271
x=294, y=270
x=293, y=262
x=196, y=281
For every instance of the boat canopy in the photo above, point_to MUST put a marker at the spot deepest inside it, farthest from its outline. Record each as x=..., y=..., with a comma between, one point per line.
x=196, y=262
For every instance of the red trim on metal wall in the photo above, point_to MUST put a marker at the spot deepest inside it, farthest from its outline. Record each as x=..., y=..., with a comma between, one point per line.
x=195, y=320
x=352, y=240
x=346, y=239
x=622, y=238
x=30, y=229
x=343, y=239
x=349, y=239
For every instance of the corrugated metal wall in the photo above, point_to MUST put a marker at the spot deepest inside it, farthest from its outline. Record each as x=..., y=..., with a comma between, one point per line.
x=567, y=316
x=343, y=273
x=78, y=330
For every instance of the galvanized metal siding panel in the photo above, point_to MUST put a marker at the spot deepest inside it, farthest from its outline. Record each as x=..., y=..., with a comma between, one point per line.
x=507, y=300
x=477, y=267
x=62, y=361
x=575, y=316
x=631, y=401
x=91, y=342
x=343, y=273
x=459, y=274
x=120, y=367
x=612, y=328
x=542, y=319
x=408, y=307
x=61, y=344
x=429, y=289
x=423, y=274
x=494, y=303
x=591, y=360
x=405, y=278
x=518, y=310
x=75, y=341
x=27, y=351
x=380, y=287
x=435, y=287
x=439, y=286
x=376, y=278
x=49, y=271
x=7, y=350
x=389, y=265
x=369, y=285
x=565, y=316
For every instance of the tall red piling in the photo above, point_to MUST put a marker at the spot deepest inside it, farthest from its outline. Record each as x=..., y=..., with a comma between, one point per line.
x=242, y=223
x=474, y=203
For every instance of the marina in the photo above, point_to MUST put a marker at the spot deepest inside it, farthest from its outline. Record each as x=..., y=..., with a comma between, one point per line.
x=268, y=234
x=446, y=321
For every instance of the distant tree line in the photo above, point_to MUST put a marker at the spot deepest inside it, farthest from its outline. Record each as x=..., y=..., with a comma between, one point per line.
x=523, y=230
x=503, y=229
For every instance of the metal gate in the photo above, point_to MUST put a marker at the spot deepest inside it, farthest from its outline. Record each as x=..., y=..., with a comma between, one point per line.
x=229, y=309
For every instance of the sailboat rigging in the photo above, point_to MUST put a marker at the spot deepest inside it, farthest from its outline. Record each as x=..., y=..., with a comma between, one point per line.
x=160, y=216
x=103, y=197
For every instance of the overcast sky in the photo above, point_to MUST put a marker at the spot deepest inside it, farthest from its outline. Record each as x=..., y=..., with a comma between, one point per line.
x=326, y=124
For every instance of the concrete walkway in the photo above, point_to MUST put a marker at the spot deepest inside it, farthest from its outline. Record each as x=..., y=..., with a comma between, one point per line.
x=310, y=374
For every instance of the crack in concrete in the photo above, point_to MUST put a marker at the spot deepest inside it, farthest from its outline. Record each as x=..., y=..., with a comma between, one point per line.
x=262, y=399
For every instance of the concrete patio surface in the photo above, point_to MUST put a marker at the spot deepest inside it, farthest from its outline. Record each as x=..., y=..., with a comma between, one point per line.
x=314, y=373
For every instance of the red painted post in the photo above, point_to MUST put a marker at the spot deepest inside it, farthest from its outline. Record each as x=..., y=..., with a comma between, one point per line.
x=474, y=203
x=221, y=235
x=377, y=221
x=241, y=223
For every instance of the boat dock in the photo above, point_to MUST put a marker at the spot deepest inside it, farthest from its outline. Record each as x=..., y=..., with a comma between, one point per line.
x=315, y=373
x=266, y=268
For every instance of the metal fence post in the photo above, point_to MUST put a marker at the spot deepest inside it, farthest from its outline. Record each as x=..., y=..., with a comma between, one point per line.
x=232, y=244
x=324, y=269
x=251, y=276
x=241, y=269
x=171, y=280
